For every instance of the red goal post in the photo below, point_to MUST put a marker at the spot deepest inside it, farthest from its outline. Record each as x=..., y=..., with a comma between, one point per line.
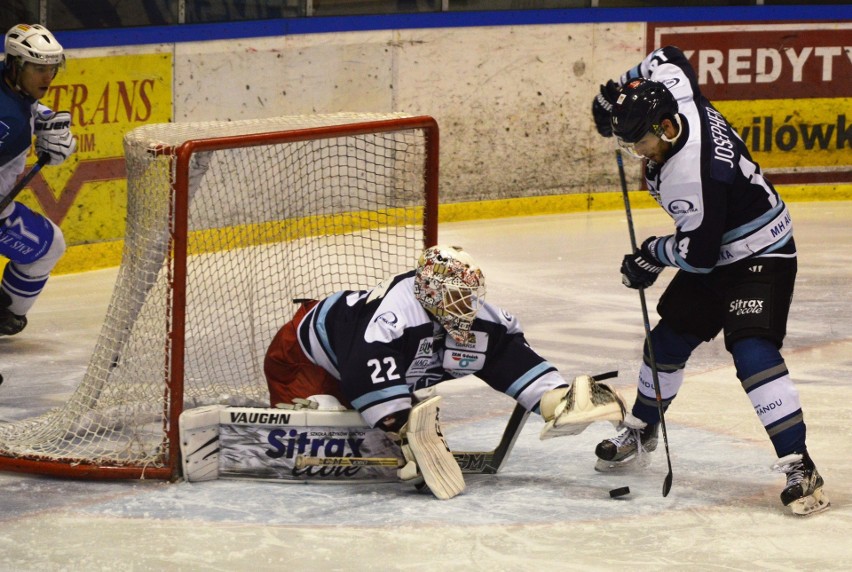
x=227, y=222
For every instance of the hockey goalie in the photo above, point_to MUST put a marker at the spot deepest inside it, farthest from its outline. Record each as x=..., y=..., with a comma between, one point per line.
x=349, y=379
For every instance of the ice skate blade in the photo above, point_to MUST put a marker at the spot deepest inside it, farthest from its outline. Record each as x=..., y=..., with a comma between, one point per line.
x=636, y=462
x=811, y=504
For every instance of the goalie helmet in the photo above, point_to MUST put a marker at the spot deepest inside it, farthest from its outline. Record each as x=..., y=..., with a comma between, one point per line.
x=35, y=44
x=450, y=285
x=640, y=108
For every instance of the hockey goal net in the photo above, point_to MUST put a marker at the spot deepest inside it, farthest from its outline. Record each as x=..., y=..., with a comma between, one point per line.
x=227, y=223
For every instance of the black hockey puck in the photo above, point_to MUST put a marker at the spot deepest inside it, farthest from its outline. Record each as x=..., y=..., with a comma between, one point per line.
x=619, y=492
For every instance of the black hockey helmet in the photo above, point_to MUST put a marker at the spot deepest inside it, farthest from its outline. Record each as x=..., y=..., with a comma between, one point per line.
x=641, y=107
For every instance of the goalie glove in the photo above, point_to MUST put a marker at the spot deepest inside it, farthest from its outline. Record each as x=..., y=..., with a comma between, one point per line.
x=53, y=135
x=602, y=107
x=640, y=269
x=569, y=410
x=428, y=458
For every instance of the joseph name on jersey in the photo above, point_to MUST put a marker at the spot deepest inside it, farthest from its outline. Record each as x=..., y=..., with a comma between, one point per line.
x=382, y=345
x=725, y=211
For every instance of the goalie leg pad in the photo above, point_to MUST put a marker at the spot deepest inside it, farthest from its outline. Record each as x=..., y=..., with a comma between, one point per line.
x=568, y=411
x=426, y=452
x=199, y=443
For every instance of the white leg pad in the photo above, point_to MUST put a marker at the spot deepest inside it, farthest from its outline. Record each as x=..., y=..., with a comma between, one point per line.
x=424, y=445
x=199, y=443
x=568, y=411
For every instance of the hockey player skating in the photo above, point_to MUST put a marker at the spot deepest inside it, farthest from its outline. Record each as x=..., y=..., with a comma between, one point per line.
x=32, y=243
x=735, y=255
x=371, y=350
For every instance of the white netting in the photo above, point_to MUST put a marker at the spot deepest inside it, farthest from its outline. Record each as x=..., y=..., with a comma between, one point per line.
x=267, y=224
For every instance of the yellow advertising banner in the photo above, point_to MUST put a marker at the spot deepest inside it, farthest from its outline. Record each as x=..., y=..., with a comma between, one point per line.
x=785, y=133
x=107, y=96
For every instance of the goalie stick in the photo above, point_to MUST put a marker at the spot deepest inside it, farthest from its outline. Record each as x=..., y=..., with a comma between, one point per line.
x=470, y=462
x=19, y=186
x=667, y=483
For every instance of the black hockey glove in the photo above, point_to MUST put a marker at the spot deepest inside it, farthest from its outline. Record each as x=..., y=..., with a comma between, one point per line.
x=602, y=107
x=640, y=269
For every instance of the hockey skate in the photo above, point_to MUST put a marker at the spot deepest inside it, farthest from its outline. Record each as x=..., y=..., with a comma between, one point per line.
x=11, y=324
x=621, y=452
x=803, y=492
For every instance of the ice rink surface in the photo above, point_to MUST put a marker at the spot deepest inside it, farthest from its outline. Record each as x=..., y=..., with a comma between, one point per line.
x=547, y=509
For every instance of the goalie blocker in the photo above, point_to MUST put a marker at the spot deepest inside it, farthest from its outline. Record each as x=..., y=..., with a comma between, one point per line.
x=332, y=444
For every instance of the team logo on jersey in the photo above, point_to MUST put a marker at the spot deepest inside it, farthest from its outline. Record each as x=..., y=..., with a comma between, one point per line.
x=388, y=318
x=671, y=82
x=478, y=343
x=458, y=363
x=425, y=347
x=681, y=207
x=423, y=363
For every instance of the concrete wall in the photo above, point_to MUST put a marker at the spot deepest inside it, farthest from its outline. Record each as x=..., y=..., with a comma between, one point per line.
x=513, y=102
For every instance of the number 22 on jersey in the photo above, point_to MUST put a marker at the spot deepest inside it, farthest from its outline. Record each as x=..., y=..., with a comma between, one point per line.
x=383, y=370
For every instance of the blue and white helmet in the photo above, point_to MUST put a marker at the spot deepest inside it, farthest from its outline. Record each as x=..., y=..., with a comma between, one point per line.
x=35, y=44
x=450, y=285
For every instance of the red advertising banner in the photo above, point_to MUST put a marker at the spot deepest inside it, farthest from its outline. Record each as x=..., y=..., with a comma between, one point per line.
x=786, y=88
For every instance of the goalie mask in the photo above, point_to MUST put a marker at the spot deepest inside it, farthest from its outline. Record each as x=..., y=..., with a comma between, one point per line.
x=450, y=286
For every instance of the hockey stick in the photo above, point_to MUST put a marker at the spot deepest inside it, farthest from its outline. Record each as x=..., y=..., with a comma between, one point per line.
x=303, y=461
x=667, y=483
x=19, y=186
x=489, y=462
x=470, y=462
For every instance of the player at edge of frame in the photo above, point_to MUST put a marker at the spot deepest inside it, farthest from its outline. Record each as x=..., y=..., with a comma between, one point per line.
x=31, y=242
